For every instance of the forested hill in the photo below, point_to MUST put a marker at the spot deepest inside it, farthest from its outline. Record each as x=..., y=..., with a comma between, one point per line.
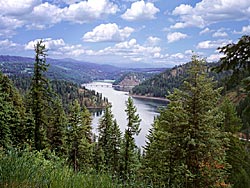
x=161, y=84
x=65, y=69
x=130, y=79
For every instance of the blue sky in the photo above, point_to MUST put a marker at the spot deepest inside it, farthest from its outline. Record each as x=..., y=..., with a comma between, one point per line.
x=154, y=32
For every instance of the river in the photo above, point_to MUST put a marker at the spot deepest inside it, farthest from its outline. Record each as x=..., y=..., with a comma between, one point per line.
x=146, y=108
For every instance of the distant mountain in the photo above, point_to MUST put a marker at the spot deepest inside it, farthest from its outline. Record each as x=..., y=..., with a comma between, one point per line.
x=66, y=69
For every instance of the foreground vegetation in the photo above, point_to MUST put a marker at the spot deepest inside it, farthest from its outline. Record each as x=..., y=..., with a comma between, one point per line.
x=193, y=142
x=31, y=169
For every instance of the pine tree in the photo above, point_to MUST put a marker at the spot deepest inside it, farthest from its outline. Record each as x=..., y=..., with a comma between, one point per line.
x=110, y=141
x=78, y=138
x=13, y=114
x=5, y=120
x=114, y=143
x=39, y=95
x=57, y=129
x=187, y=146
x=237, y=155
x=129, y=146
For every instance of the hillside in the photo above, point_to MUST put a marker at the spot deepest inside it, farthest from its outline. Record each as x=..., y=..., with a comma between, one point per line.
x=160, y=84
x=63, y=69
x=131, y=79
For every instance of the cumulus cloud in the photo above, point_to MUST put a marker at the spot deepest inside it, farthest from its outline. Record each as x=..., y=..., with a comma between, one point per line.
x=214, y=57
x=220, y=34
x=7, y=43
x=108, y=32
x=172, y=37
x=8, y=25
x=17, y=7
x=33, y=14
x=131, y=50
x=153, y=41
x=208, y=44
x=140, y=11
x=207, y=12
x=244, y=31
x=204, y=31
x=86, y=11
x=50, y=44
x=44, y=15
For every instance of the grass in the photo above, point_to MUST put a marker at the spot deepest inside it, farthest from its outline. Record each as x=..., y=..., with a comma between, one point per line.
x=26, y=170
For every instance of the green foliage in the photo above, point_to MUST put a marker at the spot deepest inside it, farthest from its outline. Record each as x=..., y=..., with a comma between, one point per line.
x=237, y=155
x=30, y=169
x=109, y=142
x=12, y=119
x=79, y=138
x=186, y=147
x=129, y=148
x=40, y=94
x=70, y=91
x=236, y=58
x=57, y=129
x=162, y=84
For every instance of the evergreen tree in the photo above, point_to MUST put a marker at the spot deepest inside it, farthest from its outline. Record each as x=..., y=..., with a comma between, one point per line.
x=79, y=145
x=186, y=146
x=237, y=59
x=6, y=116
x=39, y=95
x=57, y=129
x=13, y=114
x=110, y=141
x=114, y=143
x=129, y=146
x=237, y=156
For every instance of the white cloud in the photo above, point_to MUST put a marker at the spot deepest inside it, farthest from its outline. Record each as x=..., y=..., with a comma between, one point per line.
x=50, y=44
x=7, y=43
x=183, y=10
x=220, y=34
x=208, y=44
x=33, y=14
x=17, y=7
x=140, y=11
x=86, y=11
x=172, y=37
x=107, y=32
x=8, y=25
x=153, y=41
x=244, y=31
x=44, y=15
x=207, y=12
x=189, y=52
x=131, y=50
x=214, y=57
x=204, y=31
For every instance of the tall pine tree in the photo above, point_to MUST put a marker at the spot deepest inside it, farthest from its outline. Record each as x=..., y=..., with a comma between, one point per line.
x=39, y=95
x=79, y=141
x=187, y=146
x=110, y=141
x=129, y=148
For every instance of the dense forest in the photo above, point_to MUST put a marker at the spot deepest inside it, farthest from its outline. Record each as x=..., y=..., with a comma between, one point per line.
x=161, y=85
x=46, y=137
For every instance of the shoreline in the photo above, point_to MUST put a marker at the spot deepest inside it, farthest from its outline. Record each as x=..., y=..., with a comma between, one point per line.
x=147, y=97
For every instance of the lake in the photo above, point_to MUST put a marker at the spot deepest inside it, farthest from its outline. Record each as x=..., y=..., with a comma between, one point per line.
x=146, y=108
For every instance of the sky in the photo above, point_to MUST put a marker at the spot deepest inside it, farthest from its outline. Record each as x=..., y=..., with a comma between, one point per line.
x=157, y=33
